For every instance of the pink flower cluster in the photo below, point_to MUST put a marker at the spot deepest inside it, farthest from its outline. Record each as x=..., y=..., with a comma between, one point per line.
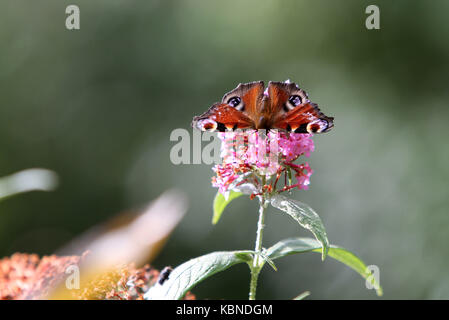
x=265, y=154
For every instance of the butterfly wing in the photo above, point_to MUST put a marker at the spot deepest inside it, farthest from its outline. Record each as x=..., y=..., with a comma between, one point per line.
x=291, y=110
x=237, y=110
x=220, y=117
x=305, y=118
x=249, y=95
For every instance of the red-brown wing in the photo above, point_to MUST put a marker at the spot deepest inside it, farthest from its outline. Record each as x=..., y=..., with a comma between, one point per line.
x=237, y=110
x=305, y=118
x=221, y=117
x=279, y=94
x=250, y=94
x=290, y=109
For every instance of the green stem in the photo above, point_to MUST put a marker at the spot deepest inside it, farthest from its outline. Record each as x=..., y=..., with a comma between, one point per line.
x=256, y=267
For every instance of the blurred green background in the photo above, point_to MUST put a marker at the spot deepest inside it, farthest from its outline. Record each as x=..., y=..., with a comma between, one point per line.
x=97, y=106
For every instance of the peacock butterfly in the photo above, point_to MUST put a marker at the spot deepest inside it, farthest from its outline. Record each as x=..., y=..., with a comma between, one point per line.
x=282, y=105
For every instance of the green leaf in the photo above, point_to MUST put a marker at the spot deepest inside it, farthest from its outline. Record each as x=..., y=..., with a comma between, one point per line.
x=305, y=216
x=189, y=274
x=299, y=245
x=220, y=204
x=27, y=180
x=291, y=246
x=267, y=260
x=303, y=295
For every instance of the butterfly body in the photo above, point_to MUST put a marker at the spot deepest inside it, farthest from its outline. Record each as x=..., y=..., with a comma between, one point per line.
x=282, y=105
